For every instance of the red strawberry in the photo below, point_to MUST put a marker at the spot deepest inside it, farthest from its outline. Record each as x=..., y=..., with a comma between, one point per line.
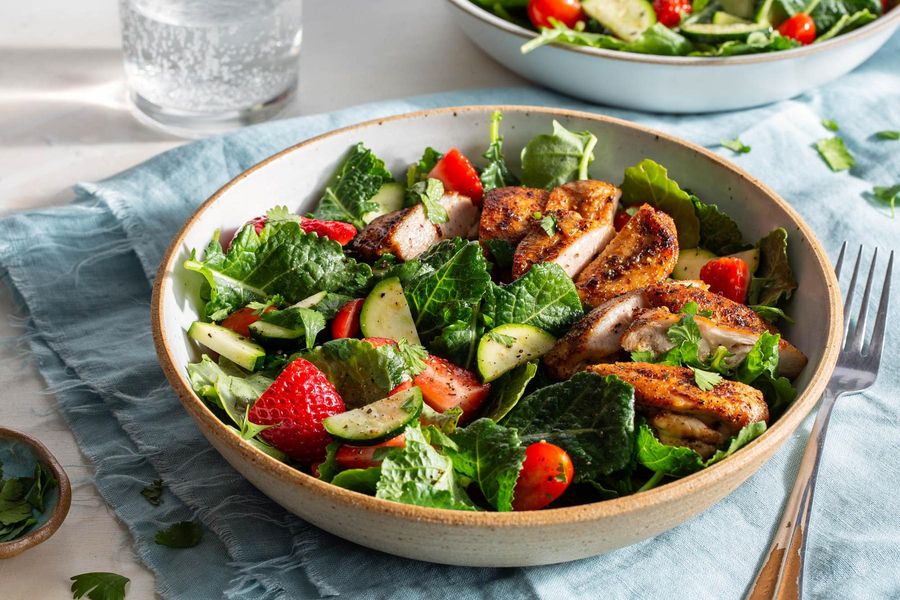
x=340, y=232
x=669, y=12
x=296, y=404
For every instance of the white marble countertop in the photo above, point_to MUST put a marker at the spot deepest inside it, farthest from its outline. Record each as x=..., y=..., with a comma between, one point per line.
x=64, y=119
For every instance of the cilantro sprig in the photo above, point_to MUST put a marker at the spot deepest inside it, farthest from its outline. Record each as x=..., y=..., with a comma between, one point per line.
x=21, y=499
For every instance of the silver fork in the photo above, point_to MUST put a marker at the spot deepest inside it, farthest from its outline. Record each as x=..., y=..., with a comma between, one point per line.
x=781, y=576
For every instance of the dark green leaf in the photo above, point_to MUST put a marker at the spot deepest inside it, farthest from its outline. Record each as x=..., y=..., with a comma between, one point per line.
x=329, y=467
x=545, y=297
x=508, y=390
x=490, y=455
x=660, y=458
x=648, y=182
x=718, y=232
x=153, y=492
x=774, y=280
x=501, y=252
x=550, y=160
x=828, y=14
x=99, y=586
x=657, y=39
x=770, y=313
x=364, y=481
x=361, y=372
x=888, y=135
x=835, y=154
x=746, y=435
x=43, y=483
x=757, y=42
x=184, y=534
x=496, y=174
x=304, y=322
x=887, y=195
x=349, y=194
x=591, y=417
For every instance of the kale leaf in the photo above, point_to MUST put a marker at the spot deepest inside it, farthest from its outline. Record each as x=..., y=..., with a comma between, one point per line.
x=829, y=13
x=550, y=160
x=590, y=416
x=774, y=280
x=660, y=458
x=282, y=260
x=545, y=297
x=508, y=390
x=718, y=232
x=359, y=371
x=226, y=386
x=364, y=481
x=349, y=193
x=491, y=456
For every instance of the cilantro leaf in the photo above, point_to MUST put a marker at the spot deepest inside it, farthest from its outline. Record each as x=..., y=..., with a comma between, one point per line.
x=153, y=492
x=660, y=458
x=548, y=224
x=706, y=380
x=43, y=482
x=887, y=195
x=770, y=313
x=420, y=170
x=184, y=534
x=888, y=135
x=429, y=194
x=643, y=356
x=505, y=340
x=649, y=182
x=835, y=154
x=419, y=474
x=282, y=259
x=735, y=145
x=508, y=390
x=99, y=586
x=413, y=356
x=496, y=174
x=830, y=124
x=491, y=456
x=550, y=160
x=349, y=193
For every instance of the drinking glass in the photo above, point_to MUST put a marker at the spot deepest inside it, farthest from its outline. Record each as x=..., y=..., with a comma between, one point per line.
x=196, y=67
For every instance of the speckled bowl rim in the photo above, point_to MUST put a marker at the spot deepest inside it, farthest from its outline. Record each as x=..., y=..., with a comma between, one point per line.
x=680, y=489
x=60, y=511
x=887, y=20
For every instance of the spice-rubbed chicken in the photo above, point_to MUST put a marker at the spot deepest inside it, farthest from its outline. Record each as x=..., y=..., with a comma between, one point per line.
x=644, y=252
x=407, y=233
x=507, y=213
x=573, y=243
x=674, y=295
x=681, y=413
x=596, y=337
x=592, y=199
x=649, y=332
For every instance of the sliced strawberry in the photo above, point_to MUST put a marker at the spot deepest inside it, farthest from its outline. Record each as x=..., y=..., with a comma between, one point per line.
x=378, y=342
x=346, y=321
x=240, y=320
x=445, y=386
x=338, y=231
x=295, y=405
x=363, y=457
x=458, y=175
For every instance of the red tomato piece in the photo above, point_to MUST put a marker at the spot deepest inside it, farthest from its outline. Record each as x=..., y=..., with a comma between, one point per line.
x=346, y=321
x=458, y=175
x=378, y=342
x=622, y=217
x=338, y=231
x=567, y=12
x=240, y=320
x=545, y=475
x=363, y=457
x=800, y=27
x=445, y=386
x=727, y=276
x=401, y=388
x=670, y=12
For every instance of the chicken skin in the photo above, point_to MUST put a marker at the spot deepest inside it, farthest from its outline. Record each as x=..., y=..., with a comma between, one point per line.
x=594, y=200
x=674, y=295
x=644, y=252
x=508, y=212
x=683, y=414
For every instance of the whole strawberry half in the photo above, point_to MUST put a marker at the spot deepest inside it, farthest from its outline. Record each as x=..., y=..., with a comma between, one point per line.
x=296, y=404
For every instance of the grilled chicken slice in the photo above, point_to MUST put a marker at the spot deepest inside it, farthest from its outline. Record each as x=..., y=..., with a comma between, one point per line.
x=674, y=295
x=592, y=199
x=648, y=332
x=681, y=412
x=507, y=212
x=407, y=233
x=575, y=242
x=644, y=252
x=595, y=337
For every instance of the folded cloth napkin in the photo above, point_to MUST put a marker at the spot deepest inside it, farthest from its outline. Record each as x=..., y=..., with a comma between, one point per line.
x=82, y=275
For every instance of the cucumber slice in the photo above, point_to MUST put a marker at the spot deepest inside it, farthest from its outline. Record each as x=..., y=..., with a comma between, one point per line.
x=385, y=313
x=770, y=13
x=627, y=19
x=229, y=344
x=390, y=197
x=506, y=347
x=724, y=18
x=751, y=257
x=690, y=262
x=376, y=422
x=743, y=9
x=263, y=332
x=311, y=301
x=710, y=33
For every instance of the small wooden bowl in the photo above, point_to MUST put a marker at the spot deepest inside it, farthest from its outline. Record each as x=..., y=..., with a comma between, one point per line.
x=57, y=502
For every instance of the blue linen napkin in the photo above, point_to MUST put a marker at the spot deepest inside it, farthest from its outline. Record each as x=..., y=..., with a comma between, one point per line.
x=82, y=275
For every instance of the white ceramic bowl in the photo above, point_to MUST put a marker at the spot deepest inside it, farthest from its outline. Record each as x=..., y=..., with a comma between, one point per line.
x=672, y=84
x=297, y=176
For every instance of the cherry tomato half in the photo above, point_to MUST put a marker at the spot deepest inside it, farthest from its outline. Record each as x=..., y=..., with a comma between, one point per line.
x=346, y=321
x=727, y=276
x=800, y=27
x=545, y=475
x=567, y=12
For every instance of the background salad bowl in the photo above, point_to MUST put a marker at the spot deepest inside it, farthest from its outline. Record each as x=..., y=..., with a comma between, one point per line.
x=297, y=176
x=672, y=84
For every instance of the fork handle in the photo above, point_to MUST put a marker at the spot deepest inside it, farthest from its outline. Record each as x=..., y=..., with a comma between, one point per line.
x=781, y=576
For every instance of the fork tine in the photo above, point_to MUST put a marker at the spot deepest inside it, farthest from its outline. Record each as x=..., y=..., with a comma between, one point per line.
x=875, y=345
x=855, y=342
x=851, y=290
x=840, y=260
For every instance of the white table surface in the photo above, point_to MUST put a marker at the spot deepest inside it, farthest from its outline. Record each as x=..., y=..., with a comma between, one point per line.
x=64, y=119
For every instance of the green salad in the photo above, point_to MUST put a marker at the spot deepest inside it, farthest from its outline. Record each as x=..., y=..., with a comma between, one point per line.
x=496, y=338
x=686, y=27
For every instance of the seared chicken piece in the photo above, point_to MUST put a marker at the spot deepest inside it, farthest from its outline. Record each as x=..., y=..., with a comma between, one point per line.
x=508, y=212
x=595, y=337
x=681, y=412
x=644, y=252
x=592, y=199
x=648, y=332
x=674, y=295
x=575, y=242
x=407, y=233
